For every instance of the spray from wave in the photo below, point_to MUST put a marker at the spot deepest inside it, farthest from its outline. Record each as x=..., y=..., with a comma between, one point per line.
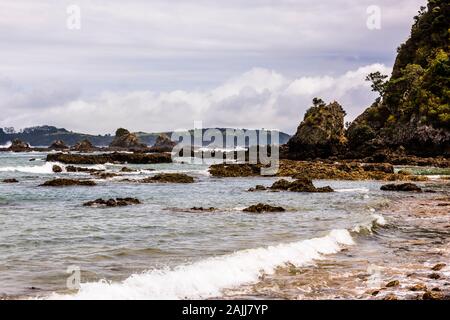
x=6, y=145
x=207, y=278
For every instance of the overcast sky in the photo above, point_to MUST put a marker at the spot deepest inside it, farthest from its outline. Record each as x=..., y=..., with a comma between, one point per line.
x=161, y=65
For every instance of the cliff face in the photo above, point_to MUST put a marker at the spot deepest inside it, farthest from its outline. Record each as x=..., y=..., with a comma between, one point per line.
x=414, y=111
x=321, y=134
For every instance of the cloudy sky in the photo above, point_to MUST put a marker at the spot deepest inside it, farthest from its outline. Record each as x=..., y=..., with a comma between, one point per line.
x=161, y=65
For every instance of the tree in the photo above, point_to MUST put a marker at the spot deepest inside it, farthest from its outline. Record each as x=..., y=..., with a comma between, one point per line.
x=378, y=81
x=317, y=102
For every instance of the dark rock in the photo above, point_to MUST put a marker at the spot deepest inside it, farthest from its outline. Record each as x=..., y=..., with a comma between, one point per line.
x=58, y=145
x=257, y=188
x=83, y=146
x=260, y=208
x=439, y=267
x=299, y=185
x=210, y=209
x=10, y=181
x=67, y=183
x=119, y=202
x=169, y=178
x=163, y=144
x=57, y=169
x=418, y=287
x=434, y=276
x=104, y=175
x=125, y=169
x=127, y=141
x=116, y=157
x=380, y=167
x=394, y=283
x=431, y=295
x=390, y=297
x=321, y=134
x=78, y=169
x=19, y=146
x=405, y=187
x=235, y=170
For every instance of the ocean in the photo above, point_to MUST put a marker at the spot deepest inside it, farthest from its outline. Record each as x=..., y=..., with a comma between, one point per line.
x=338, y=245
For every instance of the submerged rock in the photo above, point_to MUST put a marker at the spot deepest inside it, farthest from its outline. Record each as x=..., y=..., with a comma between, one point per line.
x=169, y=178
x=86, y=170
x=83, y=146
x=257, y=188
x=405, y=187
x=299, y=185
x=119, y=202
x=116, y=157
x=210, y=209
x=10, y=181
x=58, y=145
x=433, y=295
x=124, y=139
x=419, y=287
x=439, y=267
x=67, y=183
x=393, y=283
x=235, y=170
x=260, y=208
x=126, y=169
x=19, y=146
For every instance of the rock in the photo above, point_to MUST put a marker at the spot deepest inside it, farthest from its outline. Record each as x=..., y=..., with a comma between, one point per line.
x=235, y=170
x=10, y=181
x=58, y=145
x=419, y=287
x=67, y=183
x=83, y=146
x=19, y=146
x=321, y=134
x=394, y=283
x=115, y=157
x=86, y=170
x=57, y=169
x=169, y=178
x=405, y=187
x=260, y=208
x=436, y=289
x=431, y=295
x=380, y=167
x=434, y=276
x=375, y=293
x=210, y=209
x=127, y=141
x=104, y=175
x=299, y=185
x=163, y=144
x=125, y=169
x=257, y=188
x=390, y=297
x=32, y=159
x=119, y=202
x=439, y=267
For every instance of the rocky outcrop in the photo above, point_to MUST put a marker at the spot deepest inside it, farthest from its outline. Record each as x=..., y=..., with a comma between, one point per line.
x=119, y=202
x=115, y=157
x=19, y=146
x=125, y=140
x=405, y=187
x=68, y=183
x=299, y=185
x=163, y=144
x=260, y=208
x=412, y=115
x=83, y=146
x=321, y=134
x=58, y=145
x=169, y=178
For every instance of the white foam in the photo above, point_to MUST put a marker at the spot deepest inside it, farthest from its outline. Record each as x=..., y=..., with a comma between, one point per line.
x=46, y=168
x=360, y=190
x=207, y=278
x=376, y=220
x=6, y=146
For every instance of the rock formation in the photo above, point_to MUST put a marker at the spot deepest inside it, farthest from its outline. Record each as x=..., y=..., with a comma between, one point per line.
x=260, y=208
x=127, y=141
x=58, y=145
x=321, y=134
x=83, y=146
x=119, y=202
x=67, y=183
x=19, y=146
x=163, y=144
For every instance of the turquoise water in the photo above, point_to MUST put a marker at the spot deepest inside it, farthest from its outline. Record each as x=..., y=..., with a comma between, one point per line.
x=43, y=230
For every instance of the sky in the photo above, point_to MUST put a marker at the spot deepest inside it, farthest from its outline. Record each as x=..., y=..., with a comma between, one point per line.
x=161, y=65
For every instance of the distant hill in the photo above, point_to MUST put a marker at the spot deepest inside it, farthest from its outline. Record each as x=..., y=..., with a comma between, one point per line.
x=46, y=135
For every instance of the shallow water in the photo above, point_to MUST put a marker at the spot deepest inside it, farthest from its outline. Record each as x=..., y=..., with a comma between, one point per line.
x=162, y=249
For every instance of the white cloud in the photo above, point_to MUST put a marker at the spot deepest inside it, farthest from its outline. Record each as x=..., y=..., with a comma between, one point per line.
x=257, y=98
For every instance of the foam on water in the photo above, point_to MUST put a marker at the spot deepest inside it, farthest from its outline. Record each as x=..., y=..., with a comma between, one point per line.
x=43, y=169
x=6, y=145
x=207, y=278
